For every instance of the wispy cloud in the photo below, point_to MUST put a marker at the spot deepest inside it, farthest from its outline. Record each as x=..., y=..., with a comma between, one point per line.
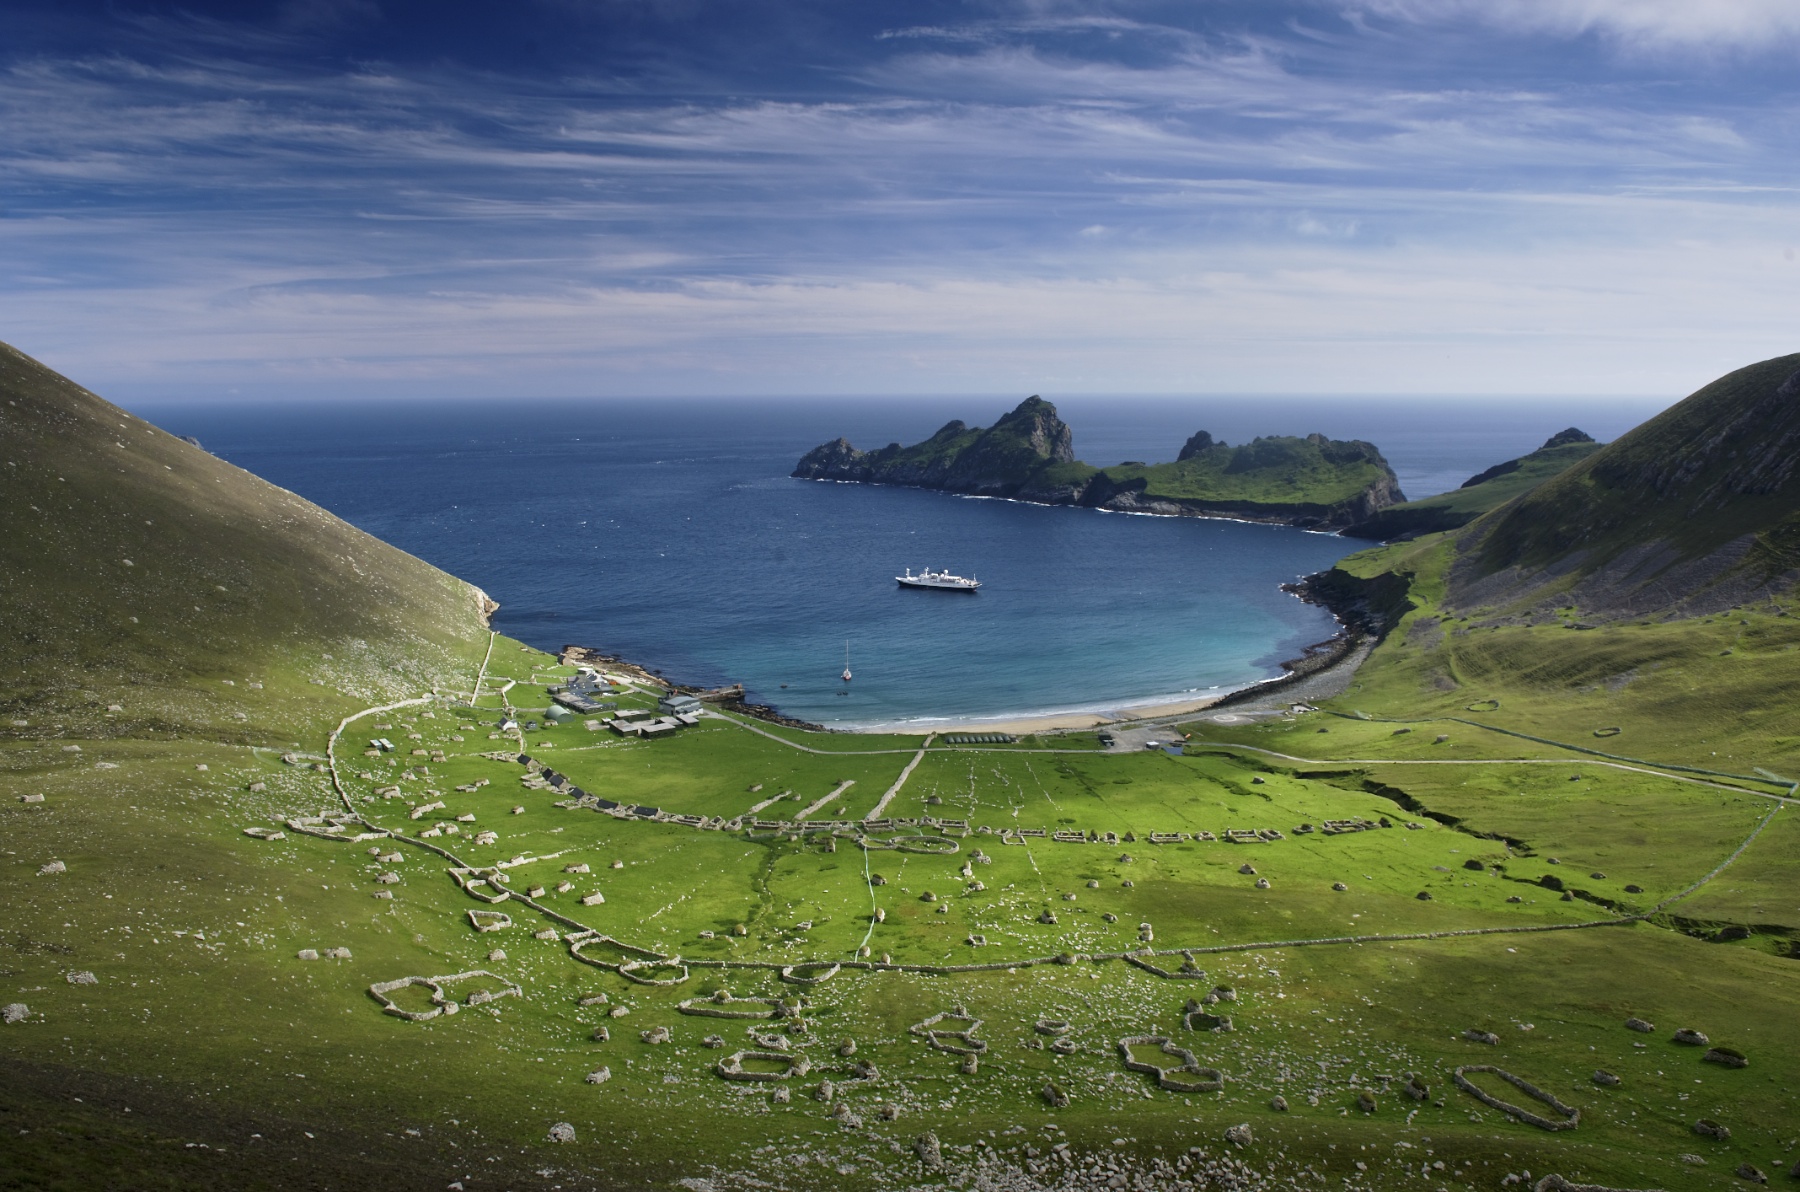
x=1763, y=26
x=1040, y=196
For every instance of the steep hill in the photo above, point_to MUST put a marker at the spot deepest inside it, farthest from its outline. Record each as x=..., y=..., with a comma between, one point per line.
x=1696, y=510
x=1028, y=455
x=134, y=563
x=1480, y=493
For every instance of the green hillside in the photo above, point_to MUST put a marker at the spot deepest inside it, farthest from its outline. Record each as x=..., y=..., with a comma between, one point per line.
x=1698, y=508
x=137, y=570
x=1479, y=494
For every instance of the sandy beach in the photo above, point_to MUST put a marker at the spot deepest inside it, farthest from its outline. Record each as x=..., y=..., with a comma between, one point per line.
x=1067, y=721
x=1323, y=683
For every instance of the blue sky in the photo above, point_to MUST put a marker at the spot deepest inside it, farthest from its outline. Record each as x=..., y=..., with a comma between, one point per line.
x=657, y=197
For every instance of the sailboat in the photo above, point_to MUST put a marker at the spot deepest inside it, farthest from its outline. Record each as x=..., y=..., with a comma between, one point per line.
x=846, y=662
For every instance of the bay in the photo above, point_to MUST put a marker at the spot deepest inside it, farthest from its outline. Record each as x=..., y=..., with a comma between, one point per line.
x=669, y=533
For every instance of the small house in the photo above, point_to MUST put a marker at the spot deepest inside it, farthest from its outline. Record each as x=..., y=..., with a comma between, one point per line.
x=679, y=705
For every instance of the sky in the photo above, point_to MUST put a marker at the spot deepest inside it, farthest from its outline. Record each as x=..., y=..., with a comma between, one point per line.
x=394, y=198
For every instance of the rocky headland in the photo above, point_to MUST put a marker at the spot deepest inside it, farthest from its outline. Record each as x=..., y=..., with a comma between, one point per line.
x=1028, y=455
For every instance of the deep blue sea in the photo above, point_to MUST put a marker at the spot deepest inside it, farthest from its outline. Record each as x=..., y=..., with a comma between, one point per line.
x=668, y=532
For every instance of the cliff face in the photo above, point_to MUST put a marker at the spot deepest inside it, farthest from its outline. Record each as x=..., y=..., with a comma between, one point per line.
x=997, y=461
x=1029, y=455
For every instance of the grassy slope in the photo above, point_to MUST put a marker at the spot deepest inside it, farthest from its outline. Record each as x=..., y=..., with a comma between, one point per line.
x=1711, y=469
x=137, y=569
x=1460, y=506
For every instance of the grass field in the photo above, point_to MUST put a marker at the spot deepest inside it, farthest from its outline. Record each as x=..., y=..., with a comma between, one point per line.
x=1582, y=825
x=192, y=930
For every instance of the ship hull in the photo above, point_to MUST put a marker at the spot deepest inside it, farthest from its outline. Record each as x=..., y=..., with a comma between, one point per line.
x=931, y=587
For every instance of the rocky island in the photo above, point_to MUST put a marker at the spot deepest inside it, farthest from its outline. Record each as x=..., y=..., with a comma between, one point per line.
x=1028, y=455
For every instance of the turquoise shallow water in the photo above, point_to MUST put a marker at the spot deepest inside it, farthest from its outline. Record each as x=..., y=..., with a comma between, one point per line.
x=669, y=533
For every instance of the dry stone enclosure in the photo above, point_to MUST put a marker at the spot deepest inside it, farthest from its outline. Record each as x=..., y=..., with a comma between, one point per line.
x=1568, y=1116
x=789, y=1065
x=723, y=1005
x=1185, y=1076
x=958, y=1040
x=441, y=1002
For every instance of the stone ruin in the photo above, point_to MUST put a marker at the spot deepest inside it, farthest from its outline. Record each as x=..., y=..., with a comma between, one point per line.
x=1174, y=1077
x=1477, y=1036
x=1640, y=1026
x=1189, y=970
x=931, y=1154
x=1605, y=1079
x=1239, y=1135
x=817, y=973
x=485, y=921
x=1569, y=1117
x=1415, y=1087
x=1194, y=1018
x=599, y=1076
x=1691, y=1038
x=1054, y=1096
x=723, y=1005
x=52, y=867
x=732, y=1066
x=562, y=1132
x=656, y=1035
x=634, y=970
x=14, y=1012
x=1707, y=1128
x=1727, y=1057
x=958, y=1042
x=441, y=1003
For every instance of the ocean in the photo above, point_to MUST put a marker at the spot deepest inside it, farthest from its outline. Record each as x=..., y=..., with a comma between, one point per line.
x=669, y=533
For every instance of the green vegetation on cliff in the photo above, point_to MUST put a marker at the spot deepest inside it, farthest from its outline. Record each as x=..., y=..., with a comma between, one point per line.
x=1312, y=480
x=1028, y=455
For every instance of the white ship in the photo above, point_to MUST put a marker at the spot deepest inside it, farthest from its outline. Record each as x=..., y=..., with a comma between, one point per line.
x=941, y=580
